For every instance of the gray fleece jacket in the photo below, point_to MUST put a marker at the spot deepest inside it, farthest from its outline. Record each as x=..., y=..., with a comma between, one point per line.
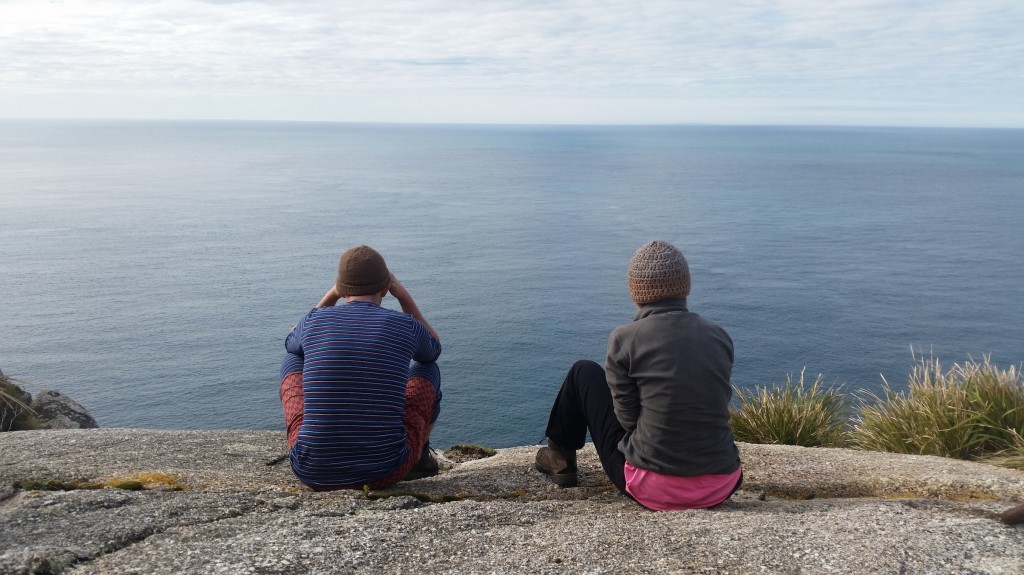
x=669, y=374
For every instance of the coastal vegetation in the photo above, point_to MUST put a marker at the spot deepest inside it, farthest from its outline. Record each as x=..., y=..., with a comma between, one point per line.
x=468, y=452
x=972, y=410
x=15, y=412
x=792, y=415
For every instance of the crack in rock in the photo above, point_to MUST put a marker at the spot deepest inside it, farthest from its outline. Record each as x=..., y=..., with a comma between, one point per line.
x=57, y=559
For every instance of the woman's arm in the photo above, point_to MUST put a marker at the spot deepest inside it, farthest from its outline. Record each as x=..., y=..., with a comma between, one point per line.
x=625, y=395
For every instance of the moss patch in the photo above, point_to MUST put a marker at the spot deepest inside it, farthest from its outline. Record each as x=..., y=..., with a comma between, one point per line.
x=51, y=485
x=132, y=482
x=155, y=480
x=468, y=452
x=127, y=485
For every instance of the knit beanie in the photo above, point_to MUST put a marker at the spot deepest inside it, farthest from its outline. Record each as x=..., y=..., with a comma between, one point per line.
x=362, y=271
x=658, y=271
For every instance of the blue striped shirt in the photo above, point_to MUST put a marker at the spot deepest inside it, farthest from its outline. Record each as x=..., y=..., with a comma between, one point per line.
x=355, y=369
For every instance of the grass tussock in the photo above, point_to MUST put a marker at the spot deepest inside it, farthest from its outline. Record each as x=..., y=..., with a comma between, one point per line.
x=1017, y=449
x=967, y=412
x=15, y=414
x=1013, y=457
x=796, y=414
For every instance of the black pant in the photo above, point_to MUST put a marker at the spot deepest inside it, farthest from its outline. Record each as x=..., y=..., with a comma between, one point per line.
x=585, y=403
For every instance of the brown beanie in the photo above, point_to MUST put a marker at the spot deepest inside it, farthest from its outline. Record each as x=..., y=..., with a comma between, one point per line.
x=658, y=271
x=362, y=271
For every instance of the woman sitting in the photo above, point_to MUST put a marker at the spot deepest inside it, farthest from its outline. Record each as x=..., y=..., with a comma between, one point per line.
x=658, y=412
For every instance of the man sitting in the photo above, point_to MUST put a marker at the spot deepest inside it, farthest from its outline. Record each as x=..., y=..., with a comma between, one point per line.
x=357, y=412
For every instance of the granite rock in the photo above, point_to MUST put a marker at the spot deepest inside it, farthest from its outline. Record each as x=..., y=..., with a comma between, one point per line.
x=226, y=502
x=54, y=410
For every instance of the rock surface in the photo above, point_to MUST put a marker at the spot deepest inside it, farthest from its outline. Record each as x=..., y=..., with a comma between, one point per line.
x=226, y=502
x=54, y=410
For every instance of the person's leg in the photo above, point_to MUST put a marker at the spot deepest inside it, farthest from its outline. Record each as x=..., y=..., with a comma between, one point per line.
x=291, y=396
x=605, y=429
x=567, y=423
x=422, y=406
x=432, y=374
x=585, y=403
x=426, y=374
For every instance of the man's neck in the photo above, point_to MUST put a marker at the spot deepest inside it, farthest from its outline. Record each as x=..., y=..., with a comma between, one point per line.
x=372, y=298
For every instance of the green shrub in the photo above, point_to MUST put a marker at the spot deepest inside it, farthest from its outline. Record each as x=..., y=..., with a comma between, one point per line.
x=15, y=415
x=792, y=415
x=967, y=412
x=998, y=395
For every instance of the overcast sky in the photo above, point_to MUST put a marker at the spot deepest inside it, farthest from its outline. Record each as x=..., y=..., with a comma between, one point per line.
x=887, y=62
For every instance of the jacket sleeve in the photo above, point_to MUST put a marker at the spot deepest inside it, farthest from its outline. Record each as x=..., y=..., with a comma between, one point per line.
x=625, y=395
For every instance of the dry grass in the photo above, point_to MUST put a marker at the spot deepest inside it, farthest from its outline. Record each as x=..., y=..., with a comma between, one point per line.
x=970, y=411
x=15, y=415
x=792, y=415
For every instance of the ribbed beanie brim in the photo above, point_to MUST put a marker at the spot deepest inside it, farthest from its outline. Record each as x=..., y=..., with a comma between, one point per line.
x=658, y=271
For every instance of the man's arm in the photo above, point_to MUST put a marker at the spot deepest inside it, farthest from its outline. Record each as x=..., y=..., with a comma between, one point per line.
x=409, y=305
x=293, y=343
x=330, y=298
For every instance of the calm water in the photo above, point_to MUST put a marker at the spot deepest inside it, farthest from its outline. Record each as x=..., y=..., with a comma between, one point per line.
x=151, y=270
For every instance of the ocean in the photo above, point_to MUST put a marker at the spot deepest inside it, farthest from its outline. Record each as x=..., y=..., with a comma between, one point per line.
x=151, y=270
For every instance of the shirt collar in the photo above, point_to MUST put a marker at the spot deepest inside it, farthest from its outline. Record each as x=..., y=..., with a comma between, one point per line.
x=663, y=306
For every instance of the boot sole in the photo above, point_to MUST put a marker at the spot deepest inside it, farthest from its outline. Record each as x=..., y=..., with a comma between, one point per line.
x=560, y=479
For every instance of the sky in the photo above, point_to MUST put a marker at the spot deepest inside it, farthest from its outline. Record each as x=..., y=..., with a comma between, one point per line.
x=814, y=62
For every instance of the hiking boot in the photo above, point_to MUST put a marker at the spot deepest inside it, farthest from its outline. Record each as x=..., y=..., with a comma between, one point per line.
x=557, y=463
x=427, y=466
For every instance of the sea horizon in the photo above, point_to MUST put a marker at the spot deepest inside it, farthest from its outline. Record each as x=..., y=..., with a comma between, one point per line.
x=797, y=125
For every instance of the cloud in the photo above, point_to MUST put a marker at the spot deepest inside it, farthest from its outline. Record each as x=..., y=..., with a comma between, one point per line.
x=957, y=52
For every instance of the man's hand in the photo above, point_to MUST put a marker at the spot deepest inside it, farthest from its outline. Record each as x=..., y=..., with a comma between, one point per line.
x=398, y=290
x=330, y=298
x=408, y=304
